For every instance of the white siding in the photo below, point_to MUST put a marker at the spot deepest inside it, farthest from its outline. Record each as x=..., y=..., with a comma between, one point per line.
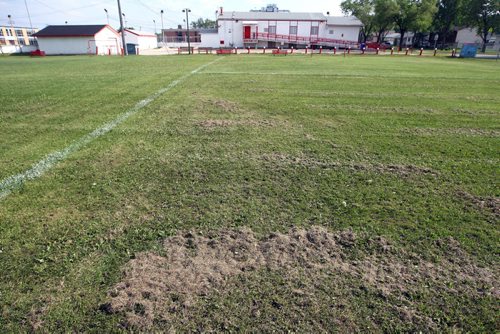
x=106, y=41
x=210, y=40
x=65, y=45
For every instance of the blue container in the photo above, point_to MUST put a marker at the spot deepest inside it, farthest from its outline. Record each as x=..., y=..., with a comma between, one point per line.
x=468, y=51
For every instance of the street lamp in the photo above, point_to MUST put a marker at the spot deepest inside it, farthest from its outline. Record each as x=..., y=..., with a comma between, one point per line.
x=154, y=21
x=107, y=15
x=187, y=11
x=162, y=41
x=125, y=19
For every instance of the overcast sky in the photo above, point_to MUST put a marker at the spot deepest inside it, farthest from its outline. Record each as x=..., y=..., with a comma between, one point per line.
x=140, y=13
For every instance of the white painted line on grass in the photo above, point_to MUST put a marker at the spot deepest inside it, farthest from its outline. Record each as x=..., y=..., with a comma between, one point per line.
x=38, y=169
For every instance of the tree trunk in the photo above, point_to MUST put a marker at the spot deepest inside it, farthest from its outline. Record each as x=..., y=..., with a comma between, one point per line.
x=401, y=37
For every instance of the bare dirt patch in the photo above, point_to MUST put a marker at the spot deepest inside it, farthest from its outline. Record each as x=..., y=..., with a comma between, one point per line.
x=226, y=106
x=468, y=132
x=490, y=204
x=160, y=289
x=226, y=123
x=400, y=170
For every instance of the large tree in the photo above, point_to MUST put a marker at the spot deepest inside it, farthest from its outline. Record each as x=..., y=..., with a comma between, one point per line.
x=203, y=23
x=383, y=21
x=484, y=15
x=447, y=16
x=413, y=15
x=364, y=11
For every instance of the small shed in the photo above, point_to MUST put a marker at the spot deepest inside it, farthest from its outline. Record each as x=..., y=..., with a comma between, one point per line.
x=137, y=40
x=79, y=39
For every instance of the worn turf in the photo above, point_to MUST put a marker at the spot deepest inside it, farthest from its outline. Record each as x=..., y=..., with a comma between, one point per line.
x=400, y=148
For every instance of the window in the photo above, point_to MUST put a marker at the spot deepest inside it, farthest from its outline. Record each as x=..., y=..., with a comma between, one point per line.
x=330, y=31
x=19, y=32
x=1, y=32
x=314, y=30
x=293, y=30
x=272, y=29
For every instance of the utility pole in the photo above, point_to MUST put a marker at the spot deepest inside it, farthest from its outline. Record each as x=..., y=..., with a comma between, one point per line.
x=13, y=31
x=122, y=29
x=29, y=16
x=107, y=15
x=162, y=34
x=187, y=11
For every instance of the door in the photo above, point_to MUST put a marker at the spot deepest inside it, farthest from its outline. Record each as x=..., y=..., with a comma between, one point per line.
x=131, y=49
x=248, y=32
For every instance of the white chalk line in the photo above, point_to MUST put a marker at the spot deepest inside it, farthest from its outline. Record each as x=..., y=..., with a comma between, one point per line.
x=41, y=167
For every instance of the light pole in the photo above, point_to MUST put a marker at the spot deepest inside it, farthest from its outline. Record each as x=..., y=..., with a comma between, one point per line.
x=187, y=11
x=162, y=40
x=107, y=15
x=122, y=29
x=13, y=31
x=154, y=21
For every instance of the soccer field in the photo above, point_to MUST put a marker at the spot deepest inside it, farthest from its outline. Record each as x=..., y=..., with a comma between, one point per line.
x=239, y=193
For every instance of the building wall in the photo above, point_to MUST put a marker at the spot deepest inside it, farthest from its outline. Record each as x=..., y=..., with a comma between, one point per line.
x=65, y=45
x=107, y=42
x=342, y=32
x=143, y=42
x=104, y=42
x=147, y=42
x=210, y=40
x=16, y=36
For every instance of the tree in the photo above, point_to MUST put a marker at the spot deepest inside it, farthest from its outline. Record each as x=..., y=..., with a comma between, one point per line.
x=364, y=11
x=203, y=23
x=413, y=15
x=484, y=15
x=446, y=17
x=384, y=14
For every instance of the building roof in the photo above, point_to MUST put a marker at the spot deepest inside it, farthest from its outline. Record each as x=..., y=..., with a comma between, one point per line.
x=344, y=21
x=71, y=30
x=140, y=33
x=208, y=31
x=272, y=16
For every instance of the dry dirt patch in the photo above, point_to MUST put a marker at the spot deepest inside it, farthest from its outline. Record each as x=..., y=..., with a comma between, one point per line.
x=400, y=170
x=160, y=288
x=226, y=123
x=491, y=204
x=468, y=132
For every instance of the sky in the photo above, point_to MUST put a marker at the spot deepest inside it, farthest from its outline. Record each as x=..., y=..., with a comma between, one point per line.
x=140, y=13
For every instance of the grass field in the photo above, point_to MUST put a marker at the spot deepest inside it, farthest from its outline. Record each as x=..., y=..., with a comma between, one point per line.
x=392, y=161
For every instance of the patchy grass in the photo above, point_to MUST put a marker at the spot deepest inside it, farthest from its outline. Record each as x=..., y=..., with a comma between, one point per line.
x=403, y=149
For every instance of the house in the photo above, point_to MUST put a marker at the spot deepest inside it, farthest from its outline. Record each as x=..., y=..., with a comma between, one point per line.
x=285, y=29
x=79, y=39
x=139, y=40
x=17, y=39
x=470, y=36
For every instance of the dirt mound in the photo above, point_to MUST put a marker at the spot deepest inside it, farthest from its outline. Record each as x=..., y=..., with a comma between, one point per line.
x=491, y=204
x=157, y=289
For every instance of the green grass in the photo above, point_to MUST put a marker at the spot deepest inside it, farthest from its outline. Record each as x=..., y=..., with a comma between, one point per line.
x=65, y=236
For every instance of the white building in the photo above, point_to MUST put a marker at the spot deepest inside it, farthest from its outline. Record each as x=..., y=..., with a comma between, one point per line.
x=79, y=39
x=285, y=29
x=139, y=40
x=470, y=36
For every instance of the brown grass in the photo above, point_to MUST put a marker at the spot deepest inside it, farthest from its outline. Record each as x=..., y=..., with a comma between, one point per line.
x=163, y=288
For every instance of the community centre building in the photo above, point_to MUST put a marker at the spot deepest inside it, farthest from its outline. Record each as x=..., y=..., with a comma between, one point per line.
x=286, y=29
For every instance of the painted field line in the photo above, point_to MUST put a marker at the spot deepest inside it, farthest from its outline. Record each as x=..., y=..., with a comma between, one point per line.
x=41, y=167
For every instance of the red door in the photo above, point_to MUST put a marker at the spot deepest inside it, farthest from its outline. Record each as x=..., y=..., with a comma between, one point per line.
x=248, y=32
